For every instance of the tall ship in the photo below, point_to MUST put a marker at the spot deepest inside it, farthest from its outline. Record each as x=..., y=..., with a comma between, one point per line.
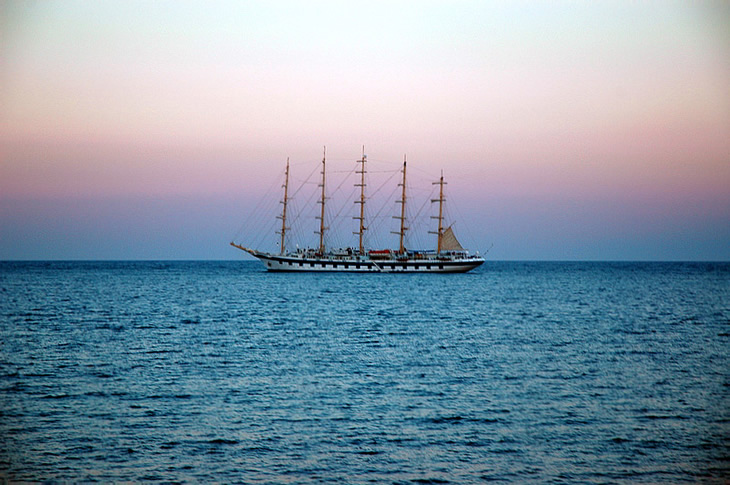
x=447, y=257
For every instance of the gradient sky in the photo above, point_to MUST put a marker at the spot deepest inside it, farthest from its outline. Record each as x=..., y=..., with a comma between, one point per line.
x=568, y=130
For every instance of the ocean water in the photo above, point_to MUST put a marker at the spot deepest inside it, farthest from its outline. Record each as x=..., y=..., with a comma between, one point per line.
x=221, y=372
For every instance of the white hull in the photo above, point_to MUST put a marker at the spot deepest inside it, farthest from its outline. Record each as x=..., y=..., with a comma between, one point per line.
x=366, y=265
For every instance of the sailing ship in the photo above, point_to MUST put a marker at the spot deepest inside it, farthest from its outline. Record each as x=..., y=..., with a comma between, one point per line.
x=448, y=257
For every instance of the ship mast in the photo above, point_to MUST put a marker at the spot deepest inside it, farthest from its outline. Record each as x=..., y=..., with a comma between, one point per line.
x=402, y=217
x=321, y=201
x=284, y=202
x=440, y=217
x=361, y=201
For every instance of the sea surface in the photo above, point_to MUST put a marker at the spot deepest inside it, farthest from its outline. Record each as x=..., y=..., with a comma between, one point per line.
x=519, y=372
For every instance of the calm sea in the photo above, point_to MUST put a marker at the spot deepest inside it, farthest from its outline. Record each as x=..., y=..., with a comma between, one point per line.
x=221, y=372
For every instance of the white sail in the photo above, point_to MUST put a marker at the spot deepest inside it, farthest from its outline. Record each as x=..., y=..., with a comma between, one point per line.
x=449, y=241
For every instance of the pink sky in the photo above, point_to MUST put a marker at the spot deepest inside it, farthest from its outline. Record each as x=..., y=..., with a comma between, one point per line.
x=614, y=113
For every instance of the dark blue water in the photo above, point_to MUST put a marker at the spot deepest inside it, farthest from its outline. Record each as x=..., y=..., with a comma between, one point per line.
x=516, y=373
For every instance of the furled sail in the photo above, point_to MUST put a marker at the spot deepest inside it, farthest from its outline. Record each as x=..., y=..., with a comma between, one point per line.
x=449, y=241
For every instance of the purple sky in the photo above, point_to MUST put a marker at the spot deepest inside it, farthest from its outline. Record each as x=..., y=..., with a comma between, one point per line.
x=151, y=130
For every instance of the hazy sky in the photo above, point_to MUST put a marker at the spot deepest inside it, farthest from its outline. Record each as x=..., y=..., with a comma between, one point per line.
x=568, y=130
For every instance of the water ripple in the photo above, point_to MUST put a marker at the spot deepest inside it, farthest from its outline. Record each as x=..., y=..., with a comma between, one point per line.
x=219, y=372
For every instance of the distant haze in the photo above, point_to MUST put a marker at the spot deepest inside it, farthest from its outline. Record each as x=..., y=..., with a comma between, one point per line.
x=567, y=130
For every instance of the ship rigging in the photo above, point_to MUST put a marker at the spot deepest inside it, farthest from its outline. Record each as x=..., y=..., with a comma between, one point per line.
x=448, y=257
